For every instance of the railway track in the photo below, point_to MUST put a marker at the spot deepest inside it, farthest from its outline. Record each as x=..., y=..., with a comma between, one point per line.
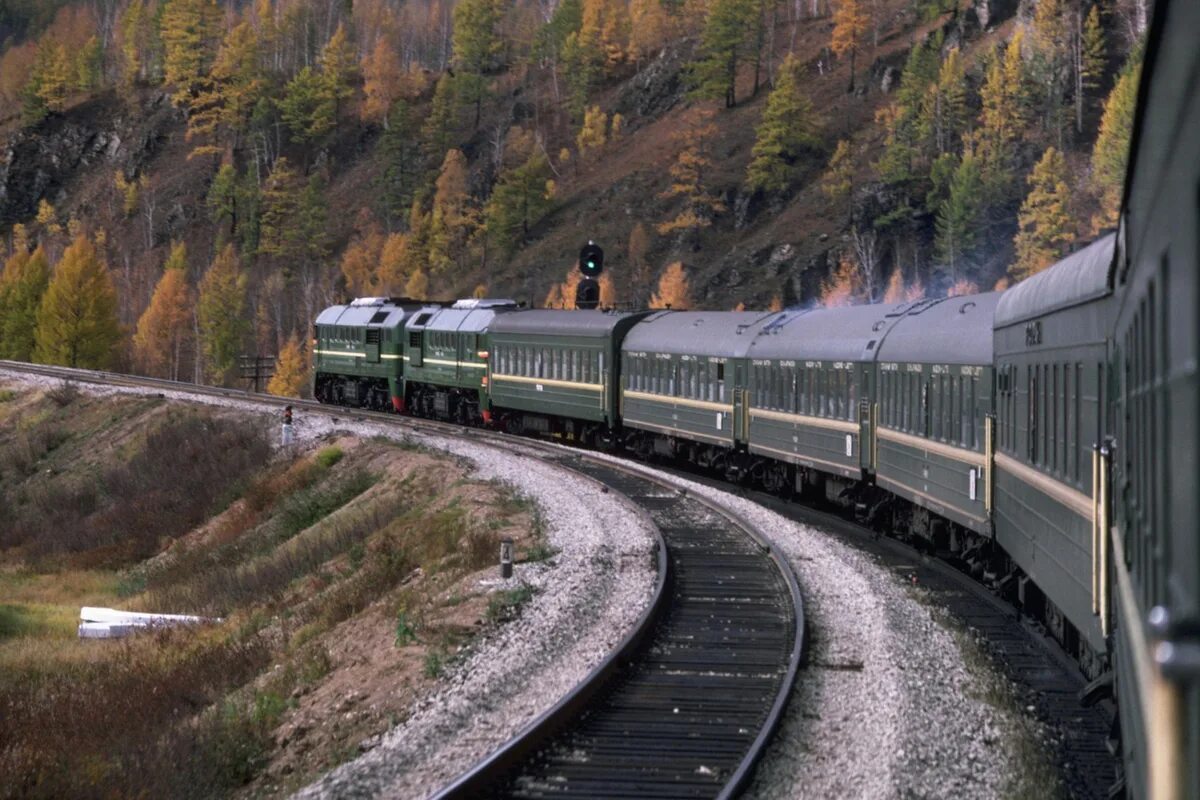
x=685, y=706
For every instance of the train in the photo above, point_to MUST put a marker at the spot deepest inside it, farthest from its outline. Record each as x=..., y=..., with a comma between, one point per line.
x=1044, y=437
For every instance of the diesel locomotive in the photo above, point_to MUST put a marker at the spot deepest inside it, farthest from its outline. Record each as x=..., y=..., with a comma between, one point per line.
x=1045, y=437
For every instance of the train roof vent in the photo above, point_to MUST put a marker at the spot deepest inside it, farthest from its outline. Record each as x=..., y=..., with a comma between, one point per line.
x=368, y=301
x=967, y=306
x=422, y=318
x=378, y=317
x=482, y=302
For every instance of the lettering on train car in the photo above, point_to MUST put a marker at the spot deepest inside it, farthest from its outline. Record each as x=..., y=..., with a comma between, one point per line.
x=1033, y=333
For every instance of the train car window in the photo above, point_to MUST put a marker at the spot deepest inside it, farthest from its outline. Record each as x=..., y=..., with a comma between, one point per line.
x=1078, y=420
x=1032, y=383
x=1066, y=422
x=1052, y=415
x=720, y=382
x=939, y=403
x=673, y=365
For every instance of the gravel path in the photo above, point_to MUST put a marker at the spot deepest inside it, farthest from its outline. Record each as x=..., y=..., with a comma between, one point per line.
x=884, y=707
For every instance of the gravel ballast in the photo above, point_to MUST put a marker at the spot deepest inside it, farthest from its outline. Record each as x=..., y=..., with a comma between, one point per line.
x=884, y=707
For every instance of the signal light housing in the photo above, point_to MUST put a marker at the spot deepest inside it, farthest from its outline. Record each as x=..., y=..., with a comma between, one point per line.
x=591, y=260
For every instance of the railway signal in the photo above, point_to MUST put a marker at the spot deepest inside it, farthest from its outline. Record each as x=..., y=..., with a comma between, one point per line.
x=591, y=264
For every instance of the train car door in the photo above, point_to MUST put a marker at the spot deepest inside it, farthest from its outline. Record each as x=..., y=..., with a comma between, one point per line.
x=741, y=402
x=866, y=425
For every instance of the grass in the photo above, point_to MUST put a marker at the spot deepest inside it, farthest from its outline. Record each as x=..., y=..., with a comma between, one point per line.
x=7, y=395
x=506, y=605
x=329, y=456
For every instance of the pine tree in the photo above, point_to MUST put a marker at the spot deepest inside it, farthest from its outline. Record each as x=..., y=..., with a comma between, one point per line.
x=49, y=82
x=221, y=314
x=477, y=45
x=308, y=108
x=902, y=121
x=519, y=200
x=23, y=284
x=723, y=47
x=141, y=47
x=851, y=21
x=77, y=322
x=639, y=265
x=948, y=114
x=1050, y=66
x=165, y=327
x=440, y=122
x=674, y=289
x=228, y=98
x=291, y=370
x=1110, y=156
x=1046, y=228
x=395, y=265
x=189, y=32
x=400, y=161
x=958, y=217
x=788, y=128
x=1005, y=97
x=650, y=29
x=838, y=183
x=688, y=175
x=1092, y=59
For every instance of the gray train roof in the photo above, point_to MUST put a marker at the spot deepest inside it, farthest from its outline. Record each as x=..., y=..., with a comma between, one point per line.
x=850, y=333
x=956, y=330
x=375, y=311
x=554, y=322
x=709, y=333
x=462, y=317
x=1079, y=277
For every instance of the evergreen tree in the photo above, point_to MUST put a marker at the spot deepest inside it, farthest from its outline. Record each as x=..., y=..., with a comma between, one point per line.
x=723, y=47
x=788, y=128
x=851, y=21
x=440, y=122
x=280, y=234
x=1092, y=58
x=77, y=322
x=1046, y=229
x=1003, y=119
x=308, y=107
x=838, y=183
x=948, y=111
x=22, y=286
x=291, y=370
x=1110, y=156
x=49, y=82
x=165, y=327
x=904, y=128
x=958, y=217
x=477, y=46
x=141, y=47
x=519, y=200
x=221, y=314
x=1051, y=66
x=228, y=99
x=400, y=160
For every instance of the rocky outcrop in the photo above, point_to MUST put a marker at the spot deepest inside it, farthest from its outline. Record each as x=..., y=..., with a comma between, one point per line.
x=40, y=163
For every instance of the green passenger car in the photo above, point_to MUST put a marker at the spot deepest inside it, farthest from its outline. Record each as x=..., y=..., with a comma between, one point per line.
x=932, y=409
x=557, y=372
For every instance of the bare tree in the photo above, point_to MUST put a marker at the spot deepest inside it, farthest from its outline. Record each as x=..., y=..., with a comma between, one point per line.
x=866, y=258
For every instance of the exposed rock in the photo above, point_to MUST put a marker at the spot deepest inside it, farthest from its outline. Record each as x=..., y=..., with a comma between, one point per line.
x=994, y=12
x=656, y=88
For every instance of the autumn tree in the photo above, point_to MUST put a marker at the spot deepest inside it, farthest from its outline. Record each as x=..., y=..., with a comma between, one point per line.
x=77, y=323
x=361, y=260
x=49, y=82
x=396, y=262
x=562, y=295
x=650, y=29
x=842, y=287
x=902, y=120
x=22, y=286
x=221, y=314
x=1045, y=221
x=383, y=77
x=1110, y=156
x=141, y=47
x=594, y=131
x=229, y=97
x=1003, y=119
x=308, y=107
x=851, y=21
x=440, y=121
x=519, y=200
x=165, y=327
x=189, y=33
x=639, y=265
x=944, y=114
x=417, y=285
x=291, y=370
x=688, y=178
x=454, y=219
x=1050, y=65
x=674, y=290
x=788, y=128
x=477, y=45
x=339, y=69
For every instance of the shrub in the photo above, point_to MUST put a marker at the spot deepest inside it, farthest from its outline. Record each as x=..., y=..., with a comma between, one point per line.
x=63, y=394
x=329, y=456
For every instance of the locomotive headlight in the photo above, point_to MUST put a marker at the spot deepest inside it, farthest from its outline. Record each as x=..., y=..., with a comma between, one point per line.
x=482, y=354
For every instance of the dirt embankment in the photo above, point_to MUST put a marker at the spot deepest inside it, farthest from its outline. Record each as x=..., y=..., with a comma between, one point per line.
x=348, y=576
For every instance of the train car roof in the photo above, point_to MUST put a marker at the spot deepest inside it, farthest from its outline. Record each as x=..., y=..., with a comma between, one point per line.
x=555, y=322
x=374, y=311
x=725, y=334
x=954, y=330
x=1078, y=278
x=851, y=333
x=460, y=318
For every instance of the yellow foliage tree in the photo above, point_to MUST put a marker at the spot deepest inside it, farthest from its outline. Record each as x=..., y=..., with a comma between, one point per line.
x=776, y=303
x=562, y=295
x=1046, y=227
x=382, y=80
x=165, y=327
x=393, y=265
x=688, y=178
x=650, y=29
x=77, y=322
x=851, y=21
x=608, y=291
x=291, y=370
x=844, y=286
x=221, y=312
x=894, y=293
x=594, y=132
x=361, y=260
x=418, y=285
x=961, y=287
x=454, y=219
x=47, y=218
x=674, y=290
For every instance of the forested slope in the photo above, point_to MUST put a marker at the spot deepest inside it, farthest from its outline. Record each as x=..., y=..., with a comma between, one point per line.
x=182, y=181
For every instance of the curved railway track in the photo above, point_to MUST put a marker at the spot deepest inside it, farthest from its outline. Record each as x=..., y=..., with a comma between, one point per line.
x=685, y=706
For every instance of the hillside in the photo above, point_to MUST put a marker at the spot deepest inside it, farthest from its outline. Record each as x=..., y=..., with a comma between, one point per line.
x=446, y=149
